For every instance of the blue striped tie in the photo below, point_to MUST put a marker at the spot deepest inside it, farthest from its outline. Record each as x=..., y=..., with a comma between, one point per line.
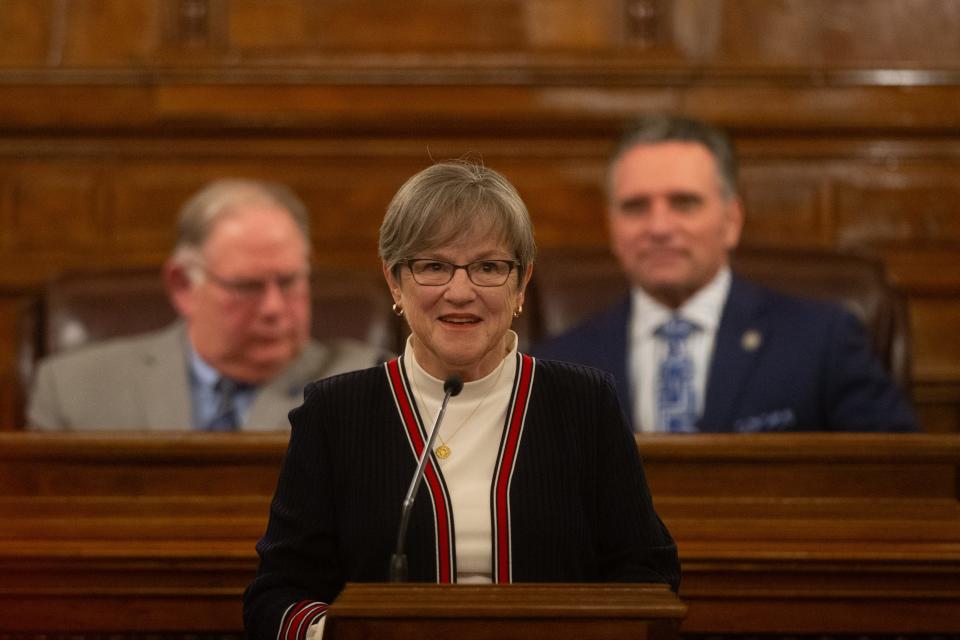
x=676, y=396
x=226, y=418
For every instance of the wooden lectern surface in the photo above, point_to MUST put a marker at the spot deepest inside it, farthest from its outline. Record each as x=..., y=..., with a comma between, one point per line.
x=500, y=612
x=811, y=533
x=413, y=600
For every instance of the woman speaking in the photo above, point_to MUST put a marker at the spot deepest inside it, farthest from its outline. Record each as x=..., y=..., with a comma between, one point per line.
x=534, y=475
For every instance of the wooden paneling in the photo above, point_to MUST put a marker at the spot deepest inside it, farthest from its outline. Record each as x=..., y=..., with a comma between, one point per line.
x=821, y=34
x=380, y=27
x=106, y=32
x=936, y=333
x=101, y=202
x=145, y=198
x=24, y=32
x=114, y=201
x=825, y=33
x=344, y=100
x=51, y=203
x=778, y=534
x=918, y=204
x=846, y=113
x=123, y=212
x=784, y=203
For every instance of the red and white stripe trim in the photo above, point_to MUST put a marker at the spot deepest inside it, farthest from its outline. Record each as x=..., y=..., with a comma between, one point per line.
x=298, y=617
x=446, y=562
x=503, y=472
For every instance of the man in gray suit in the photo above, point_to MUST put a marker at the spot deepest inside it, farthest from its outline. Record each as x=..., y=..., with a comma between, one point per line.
x=240, y=354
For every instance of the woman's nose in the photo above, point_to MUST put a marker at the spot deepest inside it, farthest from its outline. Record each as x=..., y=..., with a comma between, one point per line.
x=460, y=287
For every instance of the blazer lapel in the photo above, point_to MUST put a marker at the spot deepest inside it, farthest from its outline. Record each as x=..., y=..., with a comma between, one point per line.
x=739, y=339
x=275, y=399
x=163, y=387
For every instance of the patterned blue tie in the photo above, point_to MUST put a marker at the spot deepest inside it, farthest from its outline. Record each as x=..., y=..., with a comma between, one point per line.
x=226, y=418
x=676, y=396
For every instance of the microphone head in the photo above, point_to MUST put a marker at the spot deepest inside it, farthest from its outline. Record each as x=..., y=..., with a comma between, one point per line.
x=453, y=385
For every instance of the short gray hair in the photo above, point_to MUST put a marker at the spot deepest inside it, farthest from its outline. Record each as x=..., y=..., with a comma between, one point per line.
x=219, y=198
x=658, y=128
x=449, y=199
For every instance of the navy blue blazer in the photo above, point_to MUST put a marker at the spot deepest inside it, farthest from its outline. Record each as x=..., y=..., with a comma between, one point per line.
x=811, y=370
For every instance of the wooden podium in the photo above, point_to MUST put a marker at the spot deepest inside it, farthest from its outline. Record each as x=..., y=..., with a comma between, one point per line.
x=504, y=612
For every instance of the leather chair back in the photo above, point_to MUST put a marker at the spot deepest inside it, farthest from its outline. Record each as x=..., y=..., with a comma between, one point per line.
x=84, y=307
x=568, y=285
x=574, y=283
x=80, y=308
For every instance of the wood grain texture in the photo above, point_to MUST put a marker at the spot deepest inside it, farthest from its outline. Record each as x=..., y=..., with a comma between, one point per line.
x=778, y=533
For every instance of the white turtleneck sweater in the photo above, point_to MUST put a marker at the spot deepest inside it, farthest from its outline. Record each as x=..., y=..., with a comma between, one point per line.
x=472, y=426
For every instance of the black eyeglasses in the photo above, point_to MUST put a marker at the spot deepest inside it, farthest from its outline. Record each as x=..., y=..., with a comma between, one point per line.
x=483, y=273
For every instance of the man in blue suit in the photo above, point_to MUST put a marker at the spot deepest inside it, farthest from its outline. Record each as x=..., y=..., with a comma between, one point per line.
x=696, y=348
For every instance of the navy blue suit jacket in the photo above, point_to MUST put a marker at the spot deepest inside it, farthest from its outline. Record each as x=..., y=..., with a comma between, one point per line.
x=813, y=369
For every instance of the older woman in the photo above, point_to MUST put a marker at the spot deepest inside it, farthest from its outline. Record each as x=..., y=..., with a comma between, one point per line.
x=535, y=476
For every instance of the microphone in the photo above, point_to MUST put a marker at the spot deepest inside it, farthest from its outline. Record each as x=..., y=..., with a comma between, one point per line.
x=398, y=561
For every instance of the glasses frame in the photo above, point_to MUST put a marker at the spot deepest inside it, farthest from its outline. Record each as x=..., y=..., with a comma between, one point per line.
x=254, y=289
x=513, y=264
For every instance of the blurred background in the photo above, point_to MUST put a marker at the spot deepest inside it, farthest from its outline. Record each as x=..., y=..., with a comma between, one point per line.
x=846, y=114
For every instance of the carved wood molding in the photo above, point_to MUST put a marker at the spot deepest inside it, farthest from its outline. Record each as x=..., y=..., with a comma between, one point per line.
x=531, y=69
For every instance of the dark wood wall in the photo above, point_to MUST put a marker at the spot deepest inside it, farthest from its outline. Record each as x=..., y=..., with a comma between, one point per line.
x=846, y=113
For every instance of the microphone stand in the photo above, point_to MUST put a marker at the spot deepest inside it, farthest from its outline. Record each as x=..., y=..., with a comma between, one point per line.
x=398, y=561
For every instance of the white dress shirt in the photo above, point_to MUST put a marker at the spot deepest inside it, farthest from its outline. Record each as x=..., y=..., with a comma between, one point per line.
x=647, y=350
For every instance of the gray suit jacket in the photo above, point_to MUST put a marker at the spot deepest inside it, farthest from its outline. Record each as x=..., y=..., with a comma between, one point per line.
x=141, y=383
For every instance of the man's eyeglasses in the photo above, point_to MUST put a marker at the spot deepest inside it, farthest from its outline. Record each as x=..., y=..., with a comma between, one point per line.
x=483, y=273
x=250, y=289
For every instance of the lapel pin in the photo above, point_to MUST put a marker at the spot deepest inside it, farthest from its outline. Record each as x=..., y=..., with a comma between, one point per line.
x=751, y=339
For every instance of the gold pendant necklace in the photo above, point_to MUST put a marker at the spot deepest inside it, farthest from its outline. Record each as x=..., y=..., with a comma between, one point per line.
x=443, y=451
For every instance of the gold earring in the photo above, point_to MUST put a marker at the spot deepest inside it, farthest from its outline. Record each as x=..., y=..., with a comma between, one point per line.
x=397, y=310
x=518, y=312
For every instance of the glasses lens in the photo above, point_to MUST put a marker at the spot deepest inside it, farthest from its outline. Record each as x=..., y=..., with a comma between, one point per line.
x=483, y=273
x=431, y=272
x=489, y=273
x=247, y=289
x=293, y=283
